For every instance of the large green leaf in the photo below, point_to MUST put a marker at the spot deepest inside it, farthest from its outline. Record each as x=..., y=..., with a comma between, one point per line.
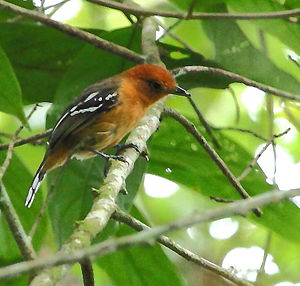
x=5, y=14
x=288, y=32
x=235, y=53
x=10, y=91
x=192, y=167
x=139, y=266
x=40, y=56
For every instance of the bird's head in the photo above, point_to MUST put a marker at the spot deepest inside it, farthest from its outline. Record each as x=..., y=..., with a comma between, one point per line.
x=154, y=82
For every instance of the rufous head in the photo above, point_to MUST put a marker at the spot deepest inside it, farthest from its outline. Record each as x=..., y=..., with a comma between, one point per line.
x=154, y=81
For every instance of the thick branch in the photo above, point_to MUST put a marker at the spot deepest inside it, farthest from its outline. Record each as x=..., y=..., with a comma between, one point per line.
x=112, y=245
x=196, y=15
x=74, y=32
x=238, y=78
x=216, y=158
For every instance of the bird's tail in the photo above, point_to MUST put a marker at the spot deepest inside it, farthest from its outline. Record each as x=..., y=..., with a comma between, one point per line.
x=36, y=182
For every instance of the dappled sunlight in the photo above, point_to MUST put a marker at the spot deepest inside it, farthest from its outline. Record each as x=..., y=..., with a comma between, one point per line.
x=158, y=187
x=287, y=171
x=223, y=228
x=286, y=283
x=247, y=261
x=253, y=99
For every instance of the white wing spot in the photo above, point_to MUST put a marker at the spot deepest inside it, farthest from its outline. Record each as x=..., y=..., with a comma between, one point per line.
x=108, y=97
x=90, y=109
x=91, y=96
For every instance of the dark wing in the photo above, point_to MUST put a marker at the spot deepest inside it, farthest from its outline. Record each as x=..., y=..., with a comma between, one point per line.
x=93, y=101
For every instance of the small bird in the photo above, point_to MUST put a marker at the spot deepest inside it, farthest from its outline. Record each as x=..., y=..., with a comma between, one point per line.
x=102, y=115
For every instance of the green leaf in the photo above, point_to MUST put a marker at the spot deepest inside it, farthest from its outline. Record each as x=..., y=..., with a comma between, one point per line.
x=10, y=92
x=40, y=56
x=139, y=265
x=235, y=53
x=5, y=15
x=192, y=167
x=288, y=32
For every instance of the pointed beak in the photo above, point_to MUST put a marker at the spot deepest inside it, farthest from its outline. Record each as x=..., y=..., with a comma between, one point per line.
x=180, y=91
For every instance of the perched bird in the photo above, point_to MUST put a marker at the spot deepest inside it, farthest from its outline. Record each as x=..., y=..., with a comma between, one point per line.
x=102, y=115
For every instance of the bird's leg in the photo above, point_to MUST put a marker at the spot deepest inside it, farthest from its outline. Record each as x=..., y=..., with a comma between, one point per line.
x=143, y=153
x=106, y=156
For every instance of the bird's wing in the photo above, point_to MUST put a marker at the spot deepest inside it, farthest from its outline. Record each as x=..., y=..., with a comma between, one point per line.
x=92, y=102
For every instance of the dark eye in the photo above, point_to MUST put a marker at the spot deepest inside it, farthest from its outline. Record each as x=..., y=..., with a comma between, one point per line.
x=155, y=86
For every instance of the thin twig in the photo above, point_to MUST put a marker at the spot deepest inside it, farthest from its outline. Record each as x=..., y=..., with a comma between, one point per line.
x=220, y=200
x=238, y=78
x=261, y=270
x=236, y=104
x=6, y=205
x=112, y=245
x=6, y=135
x=30, y=139
x=74, y=32
x=211, y=152
x=294, y=61
x=204, y=123
x=196, y=15
x=254, y=161
x=55, y=5
x=15, y=225
x=87, y=272
x=123, y=217
x=191, y=9
x=240, y=130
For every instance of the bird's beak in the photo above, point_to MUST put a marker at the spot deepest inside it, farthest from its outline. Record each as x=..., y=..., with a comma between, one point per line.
x=180, y=91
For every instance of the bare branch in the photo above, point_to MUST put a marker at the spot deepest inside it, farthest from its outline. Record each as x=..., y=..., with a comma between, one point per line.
x=74, y=32
x=15, y=225
x=30, y=139
x=196, y=15
x=240, y=130
x=87, y=272
x=238, y=78
x=205, y=124
x=6, y=205
x=216, y=158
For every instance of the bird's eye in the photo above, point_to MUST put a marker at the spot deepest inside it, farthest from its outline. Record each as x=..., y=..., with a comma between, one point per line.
x=155, y=86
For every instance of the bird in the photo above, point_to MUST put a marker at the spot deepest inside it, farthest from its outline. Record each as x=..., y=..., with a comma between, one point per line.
x=102, y=115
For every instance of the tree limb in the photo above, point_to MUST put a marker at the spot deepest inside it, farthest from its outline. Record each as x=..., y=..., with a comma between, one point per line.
x=137, y=11
x=236, y=77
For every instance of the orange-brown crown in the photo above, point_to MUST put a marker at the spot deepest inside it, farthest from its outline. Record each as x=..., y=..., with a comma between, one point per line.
x=147, y=72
